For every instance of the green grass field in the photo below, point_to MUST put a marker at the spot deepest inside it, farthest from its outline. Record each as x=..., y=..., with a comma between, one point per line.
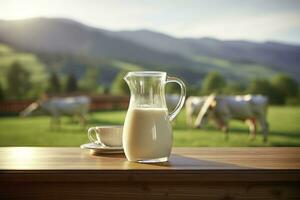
x=35, y=131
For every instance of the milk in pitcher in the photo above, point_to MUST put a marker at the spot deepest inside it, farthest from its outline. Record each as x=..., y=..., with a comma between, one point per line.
x=147, y=134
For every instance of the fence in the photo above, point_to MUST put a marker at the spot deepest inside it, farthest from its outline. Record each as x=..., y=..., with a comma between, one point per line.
x=97, y=103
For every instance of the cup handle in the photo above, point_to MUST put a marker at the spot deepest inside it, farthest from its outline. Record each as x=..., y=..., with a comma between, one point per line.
x=179, y=105
x=91, y=137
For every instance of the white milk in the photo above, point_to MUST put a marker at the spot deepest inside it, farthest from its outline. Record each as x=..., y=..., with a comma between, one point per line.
x=147, y=134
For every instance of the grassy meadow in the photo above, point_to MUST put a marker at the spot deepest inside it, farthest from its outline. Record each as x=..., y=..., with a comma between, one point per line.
x=35, y=131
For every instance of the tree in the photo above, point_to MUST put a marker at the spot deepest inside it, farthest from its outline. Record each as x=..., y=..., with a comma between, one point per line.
x=264, y=87
x=71, y=85
x=119, y=86
x=1, y=92
x=54, y=84
x=298, y=94
x=234, y=89
x=18, y=81
x=106, y=90
x=213, y=82
x=260, y=86
x=89, y=82
x=285, y=86
x=193, y=90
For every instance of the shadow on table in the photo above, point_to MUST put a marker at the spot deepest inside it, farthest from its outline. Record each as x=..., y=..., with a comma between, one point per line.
x=182, y=162
x=179, y=162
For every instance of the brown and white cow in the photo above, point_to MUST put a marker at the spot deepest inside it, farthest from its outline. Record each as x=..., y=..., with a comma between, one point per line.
x=248, y=108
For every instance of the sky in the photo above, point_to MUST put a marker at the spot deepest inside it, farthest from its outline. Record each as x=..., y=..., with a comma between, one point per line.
x=256, y=20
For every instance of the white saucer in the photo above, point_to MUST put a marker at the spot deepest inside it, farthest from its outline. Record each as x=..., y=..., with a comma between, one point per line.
x=100, y=149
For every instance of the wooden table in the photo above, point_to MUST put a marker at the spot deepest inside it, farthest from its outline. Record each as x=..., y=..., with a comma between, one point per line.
x=191, y=173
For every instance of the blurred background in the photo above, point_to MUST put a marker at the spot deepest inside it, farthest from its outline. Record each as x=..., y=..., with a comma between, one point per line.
x=81, y=48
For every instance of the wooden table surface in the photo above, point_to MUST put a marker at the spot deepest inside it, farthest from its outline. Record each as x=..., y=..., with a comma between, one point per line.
x=277, y=168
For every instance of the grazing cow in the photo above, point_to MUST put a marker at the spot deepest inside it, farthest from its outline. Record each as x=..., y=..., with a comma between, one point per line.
x=72, y=106
x=193, y=105
x=248, y=108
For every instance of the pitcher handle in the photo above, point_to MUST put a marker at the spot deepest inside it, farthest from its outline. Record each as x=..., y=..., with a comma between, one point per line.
x=179, y=105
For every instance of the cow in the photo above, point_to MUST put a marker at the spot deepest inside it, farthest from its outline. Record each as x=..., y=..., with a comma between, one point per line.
x=193, y=105
x=58, y=106
x=248, y=108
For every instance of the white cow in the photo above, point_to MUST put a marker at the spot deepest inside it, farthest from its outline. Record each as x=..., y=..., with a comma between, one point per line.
x=56, y=107
x=247, y=108
x=193, y=105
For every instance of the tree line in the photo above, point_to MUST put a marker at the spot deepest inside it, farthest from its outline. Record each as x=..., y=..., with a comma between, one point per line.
x=280, y=89
x=18, y=84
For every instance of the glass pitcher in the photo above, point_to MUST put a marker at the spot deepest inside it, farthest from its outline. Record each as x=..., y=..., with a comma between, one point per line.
x=147, y=133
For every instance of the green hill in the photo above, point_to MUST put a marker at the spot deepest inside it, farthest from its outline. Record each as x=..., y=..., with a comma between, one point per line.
x=65, y=45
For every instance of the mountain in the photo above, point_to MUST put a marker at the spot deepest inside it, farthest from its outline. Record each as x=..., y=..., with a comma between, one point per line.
x=157, y=41
x=277, y=56
x=70, y=37
x=189, y=58
x=63, y=36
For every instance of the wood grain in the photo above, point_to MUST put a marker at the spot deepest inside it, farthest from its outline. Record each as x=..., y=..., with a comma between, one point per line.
x=191, y=173
x=39, y=158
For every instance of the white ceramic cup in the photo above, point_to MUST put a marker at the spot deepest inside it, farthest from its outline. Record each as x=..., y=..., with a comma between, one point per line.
x=110, y=136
